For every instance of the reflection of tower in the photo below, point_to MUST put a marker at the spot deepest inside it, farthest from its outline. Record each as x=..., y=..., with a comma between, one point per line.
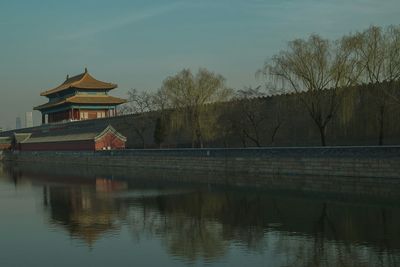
x=28, y=119
x=18, y=123
x=81, y=212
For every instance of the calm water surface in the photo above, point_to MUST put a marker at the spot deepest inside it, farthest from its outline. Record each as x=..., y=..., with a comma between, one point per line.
x=67, y=216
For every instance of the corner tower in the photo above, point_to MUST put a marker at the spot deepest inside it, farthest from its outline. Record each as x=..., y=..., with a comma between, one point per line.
x=80, y=97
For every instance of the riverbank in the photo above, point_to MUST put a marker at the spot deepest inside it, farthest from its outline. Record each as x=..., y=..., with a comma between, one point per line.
x=371, y=171
x=380, y=161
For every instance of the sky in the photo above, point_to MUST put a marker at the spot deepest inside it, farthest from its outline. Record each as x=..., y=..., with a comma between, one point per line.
x=138, y=43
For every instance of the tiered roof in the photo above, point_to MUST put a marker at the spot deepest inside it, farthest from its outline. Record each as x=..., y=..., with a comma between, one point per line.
x=84, y=99
x=82, y=81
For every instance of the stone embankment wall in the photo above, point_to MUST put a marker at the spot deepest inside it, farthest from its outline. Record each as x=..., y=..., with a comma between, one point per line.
x=370, y=171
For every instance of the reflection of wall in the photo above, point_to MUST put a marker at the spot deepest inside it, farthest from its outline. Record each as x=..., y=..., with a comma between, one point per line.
x=106, y=185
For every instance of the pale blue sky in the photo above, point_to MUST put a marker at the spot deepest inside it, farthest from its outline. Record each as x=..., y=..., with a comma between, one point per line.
x=137, y=44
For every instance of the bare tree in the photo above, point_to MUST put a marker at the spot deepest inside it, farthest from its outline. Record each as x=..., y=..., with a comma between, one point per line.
x=139, y=102
x=251, y=120
x=140, y=105
x=246, y=117
x=190, y=96
x=318, y=70
x=160, y=101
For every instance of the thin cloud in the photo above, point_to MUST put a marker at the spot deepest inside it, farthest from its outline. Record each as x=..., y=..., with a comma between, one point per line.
x=119, y=22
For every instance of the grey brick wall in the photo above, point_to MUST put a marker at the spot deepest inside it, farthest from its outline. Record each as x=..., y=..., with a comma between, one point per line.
x=350, y=170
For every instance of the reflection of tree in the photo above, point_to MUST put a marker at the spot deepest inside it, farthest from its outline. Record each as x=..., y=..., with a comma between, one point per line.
x=190, y=236
x=195, y=238
x=202, y=225
x=336, y=251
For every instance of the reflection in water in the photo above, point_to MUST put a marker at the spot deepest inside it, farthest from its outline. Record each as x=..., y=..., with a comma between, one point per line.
x=206, y=223
x=85, y=214
x=307, y=232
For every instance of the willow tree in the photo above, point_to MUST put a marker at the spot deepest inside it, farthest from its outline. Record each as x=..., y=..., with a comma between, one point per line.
x=190, y=95
x=379, y=53
x=318, y=71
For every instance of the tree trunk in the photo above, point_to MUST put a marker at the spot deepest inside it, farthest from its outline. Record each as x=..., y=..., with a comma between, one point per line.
x=199, y=139
x=193, y=142
x=381, y=124
x=274, y=132
x=143, y=143
x=141, y=137
x=255, y=140
x=243, y=138
x=193, y=132
x=199, y=136
x=322, y=130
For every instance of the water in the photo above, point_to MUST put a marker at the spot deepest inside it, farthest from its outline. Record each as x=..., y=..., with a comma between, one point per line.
x=77, y=216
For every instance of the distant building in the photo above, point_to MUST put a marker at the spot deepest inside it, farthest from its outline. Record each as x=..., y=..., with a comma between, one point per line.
x=18, y=123
x=28, y=119
x=5, y=143
x=80, y=97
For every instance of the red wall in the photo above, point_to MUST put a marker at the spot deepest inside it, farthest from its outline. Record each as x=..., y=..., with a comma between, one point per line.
x=5, y=146
x=75, y=114
x=92, y=114
x=110, y=140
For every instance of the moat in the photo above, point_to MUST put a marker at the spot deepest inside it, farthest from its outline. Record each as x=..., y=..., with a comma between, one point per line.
x=56, y=217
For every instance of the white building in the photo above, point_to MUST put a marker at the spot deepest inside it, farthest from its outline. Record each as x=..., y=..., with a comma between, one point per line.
x=28, y=119
x=18, y=123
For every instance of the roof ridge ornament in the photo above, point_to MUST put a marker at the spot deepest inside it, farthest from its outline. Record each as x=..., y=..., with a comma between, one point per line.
x=82, y=81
